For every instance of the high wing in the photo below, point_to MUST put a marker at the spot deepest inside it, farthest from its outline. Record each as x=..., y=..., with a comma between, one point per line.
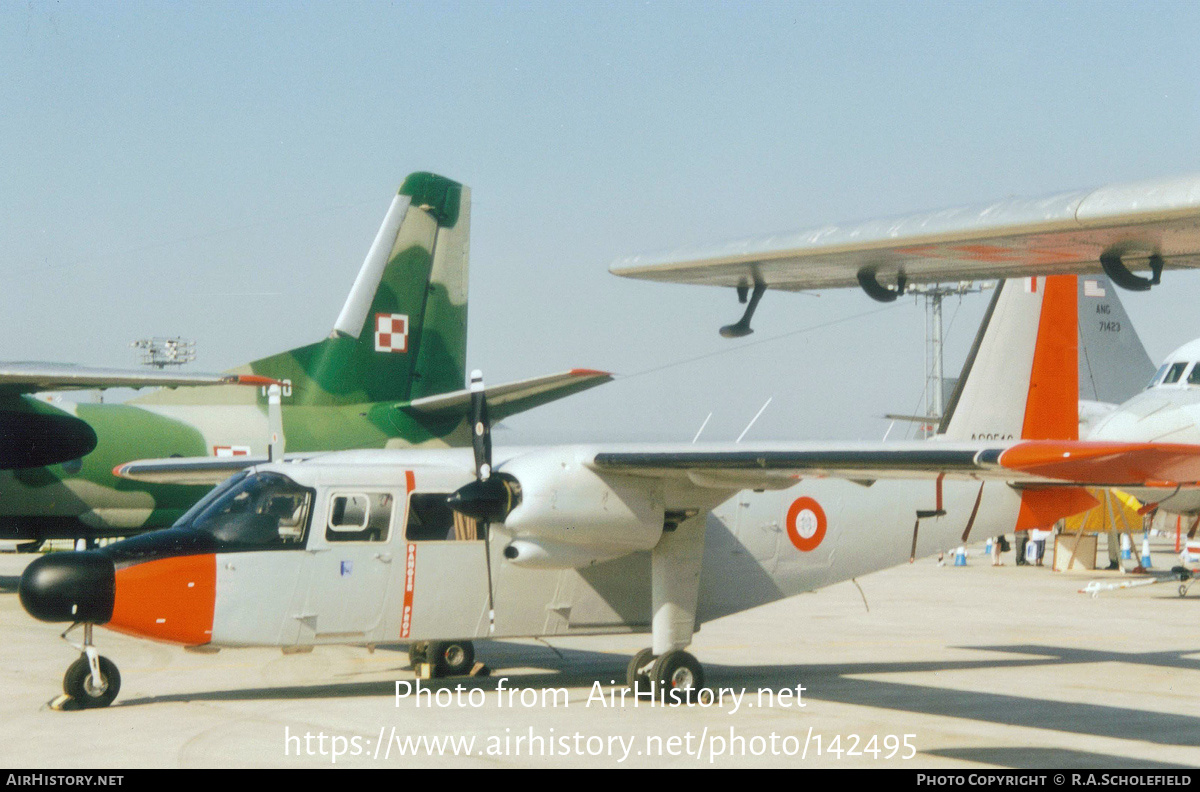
x=1028, y=463
x=1146, y=225
x=512, y=397
x=21, y=378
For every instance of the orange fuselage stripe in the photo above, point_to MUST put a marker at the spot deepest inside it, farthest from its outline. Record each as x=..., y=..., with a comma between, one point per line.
x=169, y=599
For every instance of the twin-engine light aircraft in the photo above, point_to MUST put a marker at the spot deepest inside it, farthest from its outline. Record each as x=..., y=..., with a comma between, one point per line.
x=436, y=548
x=391, y=373
x=1150, y=225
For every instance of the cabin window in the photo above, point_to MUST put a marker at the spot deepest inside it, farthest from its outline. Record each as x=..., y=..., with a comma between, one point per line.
x=359, y=517
x=430, y=519
x=1174, y=373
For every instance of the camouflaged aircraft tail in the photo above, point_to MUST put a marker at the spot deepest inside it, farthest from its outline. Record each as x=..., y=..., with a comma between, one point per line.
x=402, y=333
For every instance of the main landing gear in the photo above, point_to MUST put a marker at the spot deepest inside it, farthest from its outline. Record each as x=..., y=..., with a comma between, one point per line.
x=445, y=658
x=677, y=676
x=92, y=681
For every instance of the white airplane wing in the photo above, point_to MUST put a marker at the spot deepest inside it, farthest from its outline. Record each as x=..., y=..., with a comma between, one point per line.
x=1027, y=463
x=1151, y=225
x=16, y=378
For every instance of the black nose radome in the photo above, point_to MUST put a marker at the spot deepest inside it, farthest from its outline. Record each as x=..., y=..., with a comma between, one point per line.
x=70, y=587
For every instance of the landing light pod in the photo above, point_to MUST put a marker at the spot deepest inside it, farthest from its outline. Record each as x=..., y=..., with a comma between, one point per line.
x=542, y=554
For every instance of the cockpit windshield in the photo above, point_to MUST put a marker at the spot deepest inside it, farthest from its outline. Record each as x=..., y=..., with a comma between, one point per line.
x=1174, y=372
x=261, y=510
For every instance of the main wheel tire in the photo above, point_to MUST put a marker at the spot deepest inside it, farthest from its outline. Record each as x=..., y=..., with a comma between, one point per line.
x=90, y=693
x=451, y=658
x=638, y=671
x=418, y=652
x=679, y=676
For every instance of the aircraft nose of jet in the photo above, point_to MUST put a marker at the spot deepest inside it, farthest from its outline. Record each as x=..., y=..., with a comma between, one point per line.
x=70, y=587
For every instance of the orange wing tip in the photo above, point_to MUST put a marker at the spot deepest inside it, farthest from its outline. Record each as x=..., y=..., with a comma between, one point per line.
x=254, y=379
x=1087, y=462
x=582, y=372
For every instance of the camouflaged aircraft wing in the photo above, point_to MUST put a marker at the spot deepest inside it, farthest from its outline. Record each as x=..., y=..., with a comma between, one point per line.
x=512, y=397
x=20, y=378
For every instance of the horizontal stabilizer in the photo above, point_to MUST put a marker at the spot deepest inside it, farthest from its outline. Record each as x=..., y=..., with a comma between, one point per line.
x=17, y=378
x=512, y=397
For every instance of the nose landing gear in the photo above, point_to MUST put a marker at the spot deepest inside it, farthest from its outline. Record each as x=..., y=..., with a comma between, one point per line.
x=92, y=681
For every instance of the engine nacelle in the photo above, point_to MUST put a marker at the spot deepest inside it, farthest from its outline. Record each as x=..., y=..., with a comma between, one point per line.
x=29, y=439
x=570, y=516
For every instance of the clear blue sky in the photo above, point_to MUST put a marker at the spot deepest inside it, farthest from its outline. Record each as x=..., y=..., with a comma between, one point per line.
x=217, y=171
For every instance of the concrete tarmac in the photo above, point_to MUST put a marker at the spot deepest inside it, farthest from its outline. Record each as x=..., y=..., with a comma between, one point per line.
x=951, y=667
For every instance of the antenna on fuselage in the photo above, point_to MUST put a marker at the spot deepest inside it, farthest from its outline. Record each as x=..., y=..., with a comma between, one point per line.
x=755, y=418
x=276, y=447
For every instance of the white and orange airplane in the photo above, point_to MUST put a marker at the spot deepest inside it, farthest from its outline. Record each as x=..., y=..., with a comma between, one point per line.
x=1150, y=225
x=437, y=548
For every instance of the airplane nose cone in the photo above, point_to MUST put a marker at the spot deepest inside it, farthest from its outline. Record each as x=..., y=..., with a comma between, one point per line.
x=69, y=587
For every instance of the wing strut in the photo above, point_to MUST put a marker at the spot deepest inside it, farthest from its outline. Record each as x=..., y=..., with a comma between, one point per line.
x=971, y=519
x=938, y=511
x=742, y=326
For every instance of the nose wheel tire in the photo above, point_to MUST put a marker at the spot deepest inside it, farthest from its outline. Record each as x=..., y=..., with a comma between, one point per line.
x=451, y=658
x=91, y=693
x=680, y=676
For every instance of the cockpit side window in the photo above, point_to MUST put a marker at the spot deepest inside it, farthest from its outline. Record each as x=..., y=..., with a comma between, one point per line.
x=1158, y=375
x=267, y=511
x=1174, y=373
x=1193, y=377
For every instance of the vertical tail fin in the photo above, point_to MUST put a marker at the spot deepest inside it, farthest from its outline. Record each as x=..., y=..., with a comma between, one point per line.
x=1021, y=378
x=1113, y=364
x=402, y=332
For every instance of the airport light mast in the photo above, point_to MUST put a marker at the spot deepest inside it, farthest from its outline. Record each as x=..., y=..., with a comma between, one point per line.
x=933, y=295
x=160, y=352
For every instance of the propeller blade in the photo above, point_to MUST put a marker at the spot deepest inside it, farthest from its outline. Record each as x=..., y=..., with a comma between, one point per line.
x=481, y=430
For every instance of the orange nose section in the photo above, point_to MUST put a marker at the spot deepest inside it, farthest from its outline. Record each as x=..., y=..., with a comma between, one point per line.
x=169, y=599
